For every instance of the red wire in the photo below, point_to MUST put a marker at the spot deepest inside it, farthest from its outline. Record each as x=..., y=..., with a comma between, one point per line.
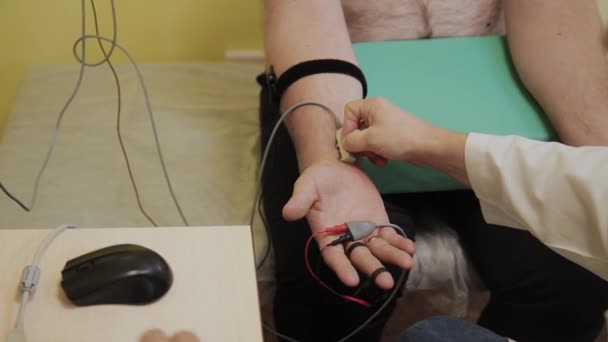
x=336, y=229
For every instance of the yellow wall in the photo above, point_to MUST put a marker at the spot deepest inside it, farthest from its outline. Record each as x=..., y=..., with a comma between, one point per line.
x=35, y=32
x=603, y=6
x=152, y=30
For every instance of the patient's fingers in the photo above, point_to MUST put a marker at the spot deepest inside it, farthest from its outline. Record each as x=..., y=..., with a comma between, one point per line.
x=386, y=247
x=388, y=253
x=391, y=236
x=157, y=335
x=366, y=262
x=336, y=260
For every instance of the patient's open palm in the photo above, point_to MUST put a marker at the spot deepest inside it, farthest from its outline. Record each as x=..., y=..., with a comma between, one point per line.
x=330, y=192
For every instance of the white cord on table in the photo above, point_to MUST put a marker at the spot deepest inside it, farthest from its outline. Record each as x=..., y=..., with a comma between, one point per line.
x=29, y=283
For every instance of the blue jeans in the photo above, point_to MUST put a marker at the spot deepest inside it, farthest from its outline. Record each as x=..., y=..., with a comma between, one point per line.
x=448, y=329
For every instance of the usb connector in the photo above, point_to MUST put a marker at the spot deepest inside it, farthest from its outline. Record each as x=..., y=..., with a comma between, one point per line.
x=29, y=279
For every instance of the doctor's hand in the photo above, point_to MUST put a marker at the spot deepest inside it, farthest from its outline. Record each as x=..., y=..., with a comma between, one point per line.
x=378, y=127
x=157, y=335
x=330, y=192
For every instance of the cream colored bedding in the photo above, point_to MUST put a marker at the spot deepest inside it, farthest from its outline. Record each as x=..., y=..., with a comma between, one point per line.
x=207, y=120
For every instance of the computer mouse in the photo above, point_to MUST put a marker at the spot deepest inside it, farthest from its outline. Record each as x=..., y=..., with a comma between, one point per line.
x=120, y=274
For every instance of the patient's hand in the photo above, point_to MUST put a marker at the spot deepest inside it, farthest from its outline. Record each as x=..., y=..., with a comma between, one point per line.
x=157, y=335
x=330, y=192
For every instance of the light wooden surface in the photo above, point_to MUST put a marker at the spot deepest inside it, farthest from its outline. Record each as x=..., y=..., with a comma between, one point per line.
x=214, y=292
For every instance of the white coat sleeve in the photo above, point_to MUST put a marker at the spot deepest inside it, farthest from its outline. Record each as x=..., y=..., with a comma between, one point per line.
x=557, y=192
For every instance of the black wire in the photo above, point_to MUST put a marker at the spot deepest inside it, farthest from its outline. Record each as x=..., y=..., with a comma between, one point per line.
x=107, y=56
x=260, y=211
x=58, y=122
x=119, y=114
x=14, y=198
x=267, y=229
x=399, y=285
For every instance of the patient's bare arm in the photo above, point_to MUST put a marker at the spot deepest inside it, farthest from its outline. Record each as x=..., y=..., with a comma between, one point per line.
x=558, y=47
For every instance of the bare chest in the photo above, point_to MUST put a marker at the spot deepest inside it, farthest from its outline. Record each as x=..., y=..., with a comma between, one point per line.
x=414, y=19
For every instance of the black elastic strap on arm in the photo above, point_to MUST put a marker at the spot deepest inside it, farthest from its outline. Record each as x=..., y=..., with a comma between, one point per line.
x=319, y=66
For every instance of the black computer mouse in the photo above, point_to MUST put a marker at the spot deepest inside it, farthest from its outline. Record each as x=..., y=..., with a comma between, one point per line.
x=120, y=274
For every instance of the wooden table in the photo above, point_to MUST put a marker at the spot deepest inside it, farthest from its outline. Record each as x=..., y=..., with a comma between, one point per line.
x=214, y=292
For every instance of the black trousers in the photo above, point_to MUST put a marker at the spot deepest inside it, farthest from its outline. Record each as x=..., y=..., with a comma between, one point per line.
x=536, y=295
